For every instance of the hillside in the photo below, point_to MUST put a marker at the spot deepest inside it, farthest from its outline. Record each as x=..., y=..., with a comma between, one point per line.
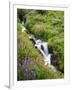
x=47, y=26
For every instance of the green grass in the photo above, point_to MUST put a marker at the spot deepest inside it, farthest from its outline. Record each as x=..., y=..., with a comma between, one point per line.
x=47, y=26
x=26, y=48
x=26, y=51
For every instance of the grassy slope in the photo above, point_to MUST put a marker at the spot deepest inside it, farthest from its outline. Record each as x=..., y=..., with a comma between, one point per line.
x=49, y=26
x=41, y=26
x=26, y=51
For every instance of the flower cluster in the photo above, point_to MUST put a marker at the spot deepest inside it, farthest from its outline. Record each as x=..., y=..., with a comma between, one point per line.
x=28, y=68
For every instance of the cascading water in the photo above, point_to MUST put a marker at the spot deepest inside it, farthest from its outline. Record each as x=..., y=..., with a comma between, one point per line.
x=23, y=28
x=43, y=48
x=47, y=56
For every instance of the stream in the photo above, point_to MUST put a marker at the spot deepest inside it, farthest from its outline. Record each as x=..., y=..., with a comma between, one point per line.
x=43, y=48
x=40, y=45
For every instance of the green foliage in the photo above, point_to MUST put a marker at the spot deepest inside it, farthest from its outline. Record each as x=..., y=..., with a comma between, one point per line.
x=41, y=11
x=19, y=27
x=26, y=49
x=58, y=50
x=47, y=26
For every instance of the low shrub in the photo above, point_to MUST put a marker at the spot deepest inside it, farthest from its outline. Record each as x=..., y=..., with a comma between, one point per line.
x=57, y=44
x=19, y=27
x=27, y=53
x=48, y=27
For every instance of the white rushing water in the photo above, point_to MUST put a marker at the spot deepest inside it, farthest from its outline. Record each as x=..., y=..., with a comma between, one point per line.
x=23, y=28
x=44, y=51
x=43, y=48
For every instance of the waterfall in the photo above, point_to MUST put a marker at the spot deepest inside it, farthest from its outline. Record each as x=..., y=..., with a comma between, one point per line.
x=31, y=37
x=44, y=51
x=23, y=28
x=43, y=48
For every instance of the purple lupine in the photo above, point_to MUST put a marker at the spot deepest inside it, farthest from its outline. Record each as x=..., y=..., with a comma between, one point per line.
x=34, y=71
x=34, y=67
x=34, y=75
x=26, y=62
x=28, y=73
x=18, y=64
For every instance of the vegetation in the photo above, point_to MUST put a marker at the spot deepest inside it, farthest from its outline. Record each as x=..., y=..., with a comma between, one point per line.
x=47, y=26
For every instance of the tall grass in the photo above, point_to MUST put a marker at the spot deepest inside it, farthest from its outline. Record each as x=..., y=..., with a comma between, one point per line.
x=47, y=26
